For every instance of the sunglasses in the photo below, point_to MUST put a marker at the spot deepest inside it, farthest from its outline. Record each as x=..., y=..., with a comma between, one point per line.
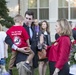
x=28, y=18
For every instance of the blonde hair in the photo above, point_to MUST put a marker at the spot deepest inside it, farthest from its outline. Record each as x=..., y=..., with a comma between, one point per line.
x=1, y=29
x=65, y=27
x=18, y=18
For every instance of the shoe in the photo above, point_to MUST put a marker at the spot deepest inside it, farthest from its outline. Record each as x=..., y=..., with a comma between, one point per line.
x=27, y=67
x=10, y=72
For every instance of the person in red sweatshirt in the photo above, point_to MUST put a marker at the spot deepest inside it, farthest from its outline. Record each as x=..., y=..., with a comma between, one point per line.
x=58, y=53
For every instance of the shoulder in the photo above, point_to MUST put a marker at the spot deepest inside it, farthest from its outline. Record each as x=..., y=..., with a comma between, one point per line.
x=64, y=39
x=20, y=27
x=23, y=29
x=48, y=33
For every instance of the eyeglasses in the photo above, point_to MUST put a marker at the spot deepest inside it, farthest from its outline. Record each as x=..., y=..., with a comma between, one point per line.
x=28, y=18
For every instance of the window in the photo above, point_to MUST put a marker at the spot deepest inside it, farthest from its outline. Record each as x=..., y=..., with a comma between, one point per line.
x=40, y=8
x=63, y=9
x=67, y=9
x=32, y=5
x=73, y=9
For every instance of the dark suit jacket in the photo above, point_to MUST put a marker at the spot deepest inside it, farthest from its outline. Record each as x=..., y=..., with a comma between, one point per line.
x=74, y=34
x=33, y=47
x=33, y=43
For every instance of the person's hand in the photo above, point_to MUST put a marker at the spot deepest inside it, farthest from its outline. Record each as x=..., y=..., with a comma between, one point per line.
x=24, y=50
x=41, y=39
x=20, y=49
x=28, y=48
x=56, y=71
x=45, y=46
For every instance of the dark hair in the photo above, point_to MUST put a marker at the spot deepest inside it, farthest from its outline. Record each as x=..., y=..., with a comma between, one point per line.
x=47, y=29
x=70, y=22
x=29, y=13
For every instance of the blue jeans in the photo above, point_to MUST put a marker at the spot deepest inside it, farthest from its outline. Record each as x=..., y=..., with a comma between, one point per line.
x=2, y=61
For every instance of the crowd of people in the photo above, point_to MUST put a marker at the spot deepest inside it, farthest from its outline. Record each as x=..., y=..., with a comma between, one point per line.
x=31, y=47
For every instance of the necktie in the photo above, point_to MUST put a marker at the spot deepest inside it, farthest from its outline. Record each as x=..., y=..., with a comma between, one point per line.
x=30, y=31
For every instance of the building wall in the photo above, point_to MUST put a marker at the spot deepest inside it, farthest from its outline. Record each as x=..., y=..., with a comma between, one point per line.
x=13, y=7
x=53, y=5
x=23, y=6
x=53, y=12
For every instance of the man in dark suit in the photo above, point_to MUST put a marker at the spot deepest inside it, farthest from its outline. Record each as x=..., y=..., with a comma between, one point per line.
x=31, y=31
x=29, y=16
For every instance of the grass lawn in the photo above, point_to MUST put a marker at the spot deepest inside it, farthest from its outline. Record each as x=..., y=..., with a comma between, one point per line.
x=15, y=72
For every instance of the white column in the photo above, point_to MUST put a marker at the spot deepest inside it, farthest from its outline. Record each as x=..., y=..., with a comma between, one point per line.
x=69, y=10
x=53, y=16
x=53, y=12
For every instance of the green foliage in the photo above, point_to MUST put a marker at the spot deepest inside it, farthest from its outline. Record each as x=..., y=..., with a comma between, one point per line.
x=5, y=19
x=3, y=9
x=7, y=22
x=72, y=54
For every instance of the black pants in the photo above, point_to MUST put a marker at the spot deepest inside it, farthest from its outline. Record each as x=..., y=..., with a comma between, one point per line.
x=64, y=71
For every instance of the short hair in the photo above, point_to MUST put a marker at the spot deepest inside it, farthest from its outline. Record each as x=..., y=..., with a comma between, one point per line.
x=29, y=12
x=1, y=29
x=65, y=27
x=18, y=18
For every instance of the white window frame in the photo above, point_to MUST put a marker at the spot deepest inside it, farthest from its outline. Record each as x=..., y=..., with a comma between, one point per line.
x=69, y=13
x=38, y=7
